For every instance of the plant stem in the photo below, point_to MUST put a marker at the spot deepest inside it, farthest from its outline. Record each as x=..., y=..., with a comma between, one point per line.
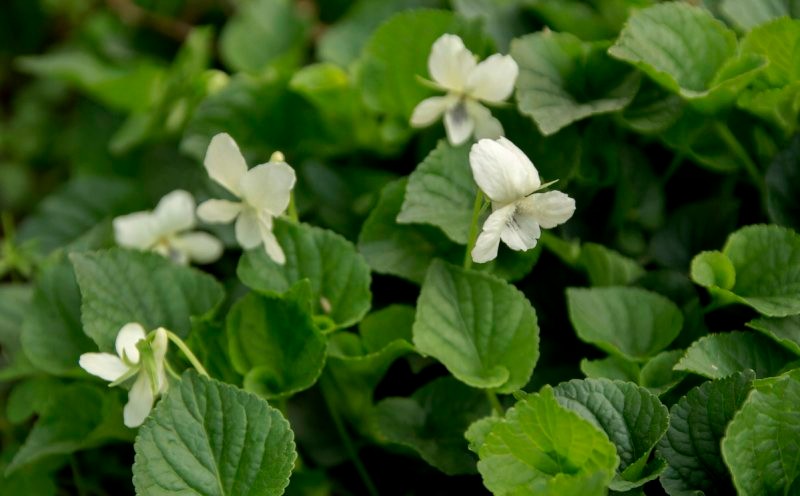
x=348, y=443
x=736, y=147
x=495, y=402
x=473, y=228
x=292, y=210
x=186, y=351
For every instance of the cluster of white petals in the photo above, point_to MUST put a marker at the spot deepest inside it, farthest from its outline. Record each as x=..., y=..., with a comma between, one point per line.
x=151, y=377
x=509, y=179
x=264, y=193
x=456, y=70
x=167, y=230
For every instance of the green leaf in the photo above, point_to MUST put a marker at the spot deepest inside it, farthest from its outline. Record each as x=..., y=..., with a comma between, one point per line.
x=432, y=423
x=15, y=302
x=481, y=328
x=747, y=14
x=543, y=448
x=596, y=20
x=785, y=331
x=607, y=267
x=658, y=374
x=212, y=439
x=388, y=324
x=502, y=19
x=713, y=269
x=209, y=342
x=273, y=342
x=563, y=79
x=691, y=446
x=122, y=286
x=31, y=397
x=653, y=109
x=339, y=275
x=719, y=355
x=441, y=192
x=762, y=443
x=630, y=322
x=611, y=367
x=782, y=179
x=632, y=418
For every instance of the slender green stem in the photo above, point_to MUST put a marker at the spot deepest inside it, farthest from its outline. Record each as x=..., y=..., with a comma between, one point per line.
x=495, y=402
x=292, y=210
x=186, y=351
x=477, y=208
x=171, y=371
x=76, y=476
x=736, y=147
x=348, y=443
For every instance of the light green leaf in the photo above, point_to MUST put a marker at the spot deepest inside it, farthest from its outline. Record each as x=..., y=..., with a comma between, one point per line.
x=542, y=448
x=747, y=14
x=596, y=20
x=611, y=367
x=785, y=331
x=719, y=355
x=713, y=269
x=212, y=439
x=563, y=79
x=481, y=328
x=762, y=443
x=432, y=423
x=691, y=446
x=122, y=286
x=630, y=322
x=339, y=275
x=388, y=324
x=607, y=267
x=273, y=342
x=658, y=374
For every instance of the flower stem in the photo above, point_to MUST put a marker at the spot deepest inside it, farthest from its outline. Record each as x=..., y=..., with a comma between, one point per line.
x=186, y=351
x=292, y=210
x=495, y=402
x=477, y=208
x=736, y=147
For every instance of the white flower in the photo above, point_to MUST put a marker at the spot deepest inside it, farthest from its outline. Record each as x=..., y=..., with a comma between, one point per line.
x=164, y=230
x=264, y=192
x=510, y=180
x=147, y=363
x=456, y=70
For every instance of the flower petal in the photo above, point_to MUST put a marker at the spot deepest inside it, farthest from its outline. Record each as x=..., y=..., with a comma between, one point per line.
x=104, y=365
x=199, y=247
x=140, y=402
x=271, y=245
x=488, y=242
x=486, y=126
x=548, y=209
x=502, y=171
x=493, y=79
x=450, y=62
x=137, y=230
x=159, y=347
x=175, y=212
x=218, y=211
x=269, y=186
x=430, y=110
x=128, y=336
x=248, y=233
x=225, y=163
x=521, y=232
x=458, y=124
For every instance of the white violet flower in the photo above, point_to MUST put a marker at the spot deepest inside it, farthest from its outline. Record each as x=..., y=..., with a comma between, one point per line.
x=456, y=70
x=166, y=230
x=264, y=191
x=137, y=354
x=510, y=180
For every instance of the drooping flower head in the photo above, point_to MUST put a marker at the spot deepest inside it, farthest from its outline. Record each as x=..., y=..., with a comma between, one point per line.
x=167, y=231
x=509, y=179
x=137, y=355
x=264, y=193
x=456, y=70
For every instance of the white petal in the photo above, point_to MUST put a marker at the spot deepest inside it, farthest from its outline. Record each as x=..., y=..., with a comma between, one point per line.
x=140, y=402
x=128, y=336
x=549, y=209
x=103, y=365
x=225, y=163
x=489, y=240
x=493, y=79
x=199, y=247
x=458, y=124
x=269, y=186
x=248, y=233
x=501, y=172
x=159, y=347
x=218, y=211
x=450, y=62
x=486, y=126
x=521, y=232
x=137, y=230
x=271, y=245
x=430, y=110
x=175, y=212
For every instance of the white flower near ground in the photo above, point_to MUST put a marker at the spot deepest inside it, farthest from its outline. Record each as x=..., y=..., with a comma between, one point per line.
x=167, y=231
x=264, y=193
x=144, y=360
x=456, y=70
x=509, y=179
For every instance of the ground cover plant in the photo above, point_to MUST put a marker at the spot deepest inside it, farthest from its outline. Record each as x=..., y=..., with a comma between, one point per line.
x=343, y=247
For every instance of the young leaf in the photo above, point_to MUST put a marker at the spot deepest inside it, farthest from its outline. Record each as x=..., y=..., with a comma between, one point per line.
x=212, y=439
x=122, y=286
x=480, y=327
x=719, y=355
x=691, y=446
x=339, y=276
x=630, y=322
x=762, y=443
x=785, y=331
